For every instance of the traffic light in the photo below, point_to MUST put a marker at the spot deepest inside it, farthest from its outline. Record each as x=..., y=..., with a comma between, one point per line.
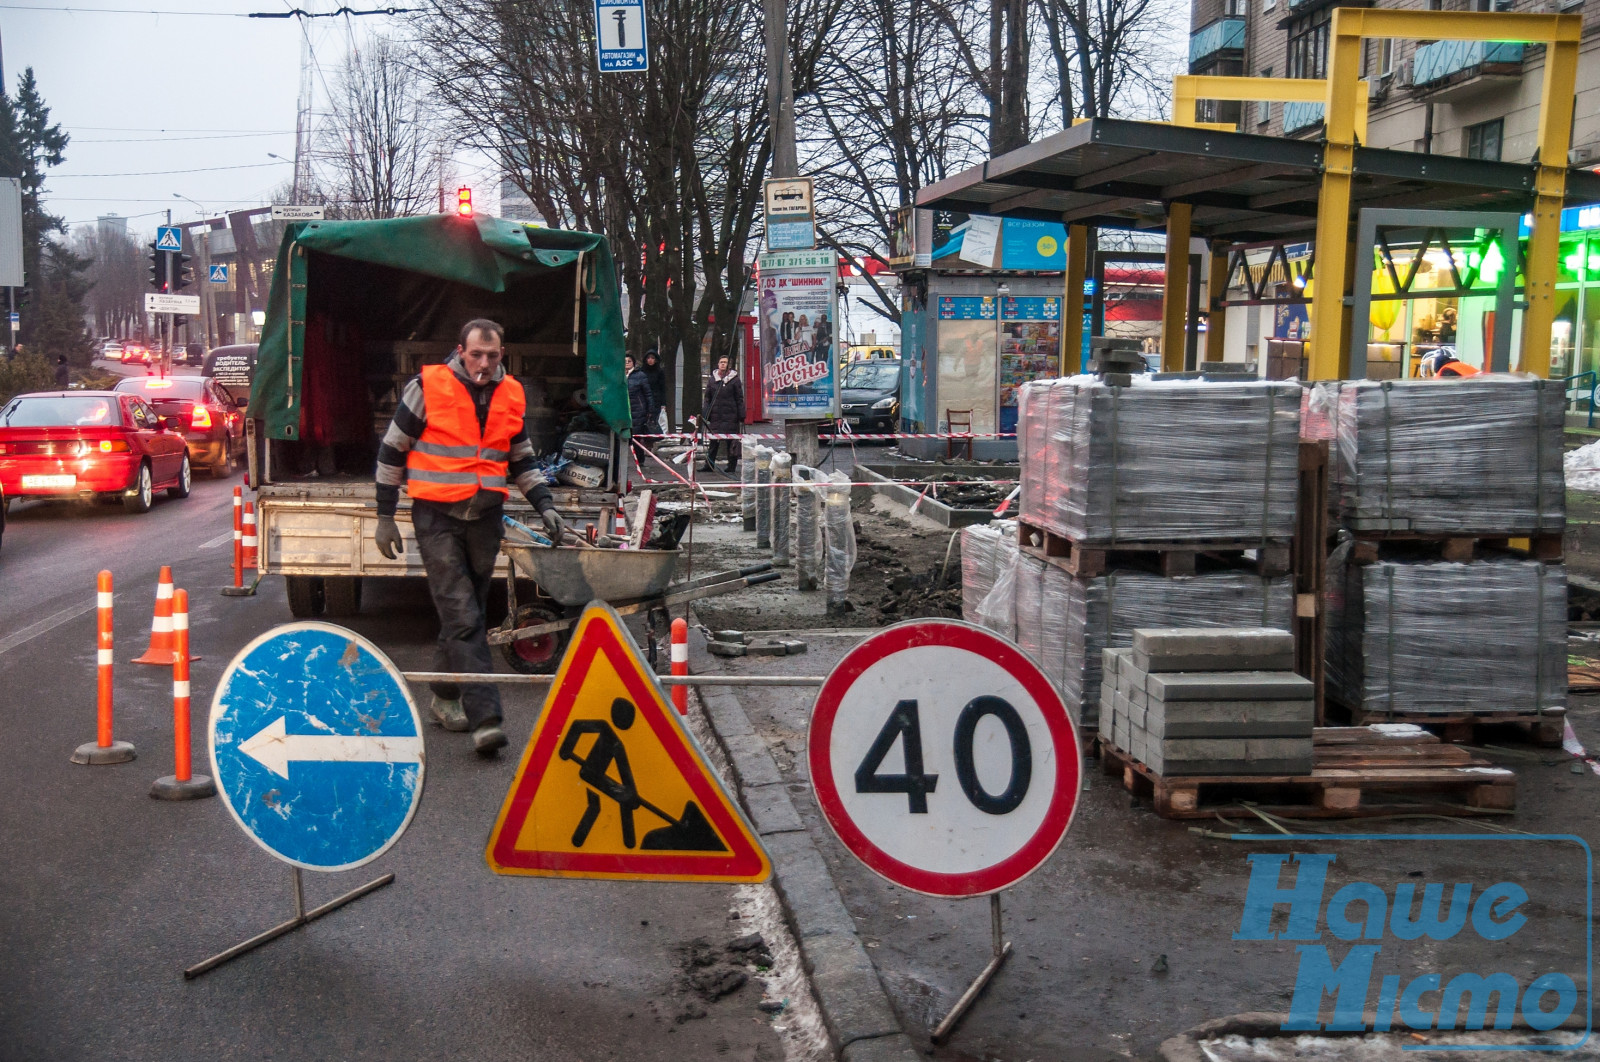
x=182, y=274
x=463, y=202
x=158, y=268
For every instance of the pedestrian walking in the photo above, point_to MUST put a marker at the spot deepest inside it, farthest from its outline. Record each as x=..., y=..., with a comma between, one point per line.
x=723, y=409
x=456, y=442
x=660, y=395
x=63, y=373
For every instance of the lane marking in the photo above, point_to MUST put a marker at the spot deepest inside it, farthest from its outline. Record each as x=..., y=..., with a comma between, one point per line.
x=226, y=536
x=49, y=623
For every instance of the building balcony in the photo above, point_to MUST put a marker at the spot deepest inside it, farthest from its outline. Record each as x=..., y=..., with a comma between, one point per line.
x=1225, y=35
x=1300, y=115
x=1453, y=69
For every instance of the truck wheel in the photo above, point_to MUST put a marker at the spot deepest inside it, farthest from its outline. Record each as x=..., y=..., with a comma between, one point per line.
x=341, y=595
x=540, y=655
x=305, y=596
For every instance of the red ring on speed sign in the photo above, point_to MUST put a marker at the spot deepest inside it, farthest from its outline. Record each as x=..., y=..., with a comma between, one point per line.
x=1029, y=853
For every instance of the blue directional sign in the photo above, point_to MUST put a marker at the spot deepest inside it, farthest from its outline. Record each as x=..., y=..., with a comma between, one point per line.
x=316, y=746
x=219, y=273
x=620, y=35
x=169, y=238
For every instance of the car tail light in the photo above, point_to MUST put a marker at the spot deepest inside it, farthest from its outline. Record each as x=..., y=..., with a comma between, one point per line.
x=113, y=446
x=200, y=418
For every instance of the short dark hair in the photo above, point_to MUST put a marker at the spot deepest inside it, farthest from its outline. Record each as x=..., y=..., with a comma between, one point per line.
x=481, y=324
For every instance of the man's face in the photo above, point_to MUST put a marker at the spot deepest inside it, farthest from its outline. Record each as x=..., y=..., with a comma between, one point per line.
x=481, y=355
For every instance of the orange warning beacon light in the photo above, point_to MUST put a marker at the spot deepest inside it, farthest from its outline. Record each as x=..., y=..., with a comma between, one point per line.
x=463, y=202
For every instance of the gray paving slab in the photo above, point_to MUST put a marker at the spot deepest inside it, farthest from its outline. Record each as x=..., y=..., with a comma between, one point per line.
x=1229, y=686
x=1212, y=641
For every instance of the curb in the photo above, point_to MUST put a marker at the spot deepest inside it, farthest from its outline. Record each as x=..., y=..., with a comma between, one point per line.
x=855, y=1008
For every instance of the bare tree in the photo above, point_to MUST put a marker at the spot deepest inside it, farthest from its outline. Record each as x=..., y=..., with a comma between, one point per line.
x=1113, y=58
x=116, y=296
x=382, y=146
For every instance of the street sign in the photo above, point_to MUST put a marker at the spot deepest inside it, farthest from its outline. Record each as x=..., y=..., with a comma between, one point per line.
x=11, y=232
x=612, y=785
x=943, y=758
x=621, y=37
x=790, y=214
x=169, y=238
x=155, y=302
x=316, y=746
x=219, y=273
x=296, y=212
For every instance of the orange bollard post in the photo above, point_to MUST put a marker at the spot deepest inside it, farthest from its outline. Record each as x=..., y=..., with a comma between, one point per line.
x=238, y=537
x=680, y=663
x=250, y=557
x=180, y=784
x=103, y=749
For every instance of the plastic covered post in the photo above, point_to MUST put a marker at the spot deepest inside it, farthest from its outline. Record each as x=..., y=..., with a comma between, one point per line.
x=782, y=479
x=763, y=498
x=840, y=538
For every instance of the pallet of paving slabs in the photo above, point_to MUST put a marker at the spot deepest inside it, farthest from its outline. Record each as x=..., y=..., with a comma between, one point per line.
x=1364, y=779
x=1309, y=562
x=1167, y=558
x=1372, y=547
x=1545, y=728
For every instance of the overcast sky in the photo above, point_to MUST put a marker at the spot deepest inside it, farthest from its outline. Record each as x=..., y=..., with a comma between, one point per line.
x=134, y=91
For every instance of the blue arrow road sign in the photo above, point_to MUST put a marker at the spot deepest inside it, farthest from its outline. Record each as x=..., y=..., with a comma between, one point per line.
x=169, y=238
x=316, y=746
x=620, y=35
x=219, y=273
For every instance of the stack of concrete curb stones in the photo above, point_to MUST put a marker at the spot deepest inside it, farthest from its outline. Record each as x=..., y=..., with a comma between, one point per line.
x=1209, y=701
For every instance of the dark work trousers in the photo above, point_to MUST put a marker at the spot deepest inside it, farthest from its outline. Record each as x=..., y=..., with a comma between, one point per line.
x=730, y=447
x=459, y=556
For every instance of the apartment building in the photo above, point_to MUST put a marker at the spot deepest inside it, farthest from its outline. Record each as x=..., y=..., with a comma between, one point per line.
x=1462, y=98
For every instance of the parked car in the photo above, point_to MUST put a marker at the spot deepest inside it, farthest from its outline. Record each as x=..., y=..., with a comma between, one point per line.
x=90, y=444
x=869, y=395
x=206, y=412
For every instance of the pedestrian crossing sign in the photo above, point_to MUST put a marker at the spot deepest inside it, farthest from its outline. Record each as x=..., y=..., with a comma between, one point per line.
x=613, y=785
x=219, y=273
x=169, y=238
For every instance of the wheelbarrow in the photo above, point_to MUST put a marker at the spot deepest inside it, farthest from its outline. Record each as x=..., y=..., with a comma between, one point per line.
x=535, y=634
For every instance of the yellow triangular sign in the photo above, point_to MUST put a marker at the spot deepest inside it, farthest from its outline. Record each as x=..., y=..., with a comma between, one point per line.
x=612, y=785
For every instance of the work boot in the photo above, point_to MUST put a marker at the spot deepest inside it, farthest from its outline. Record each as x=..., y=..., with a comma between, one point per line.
x=449, y=714
x=488, y=739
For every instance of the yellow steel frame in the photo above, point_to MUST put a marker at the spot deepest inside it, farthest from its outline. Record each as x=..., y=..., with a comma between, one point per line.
x=1189, y=89
x=1330, y=349
x=1072, y=361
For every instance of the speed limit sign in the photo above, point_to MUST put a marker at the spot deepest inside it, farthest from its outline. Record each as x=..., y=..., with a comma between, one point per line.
x=944, y=759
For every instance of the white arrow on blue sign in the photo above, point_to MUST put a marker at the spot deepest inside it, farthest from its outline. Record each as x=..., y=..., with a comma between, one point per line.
x=169, y=238
x=316, y=746
x=621, y=37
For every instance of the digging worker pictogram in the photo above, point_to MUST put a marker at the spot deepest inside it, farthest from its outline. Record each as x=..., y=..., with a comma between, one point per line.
x=690, y=832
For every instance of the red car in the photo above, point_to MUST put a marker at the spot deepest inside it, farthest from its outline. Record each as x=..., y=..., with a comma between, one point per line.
x=208, y=412
x=90, y=444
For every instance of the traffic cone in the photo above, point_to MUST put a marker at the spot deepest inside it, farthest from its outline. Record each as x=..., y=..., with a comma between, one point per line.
x=163, y=649
x=249, y=536
x=680, y=663
x=621, y=531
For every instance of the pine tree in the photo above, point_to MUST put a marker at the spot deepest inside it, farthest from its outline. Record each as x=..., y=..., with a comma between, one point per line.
x=29, y=145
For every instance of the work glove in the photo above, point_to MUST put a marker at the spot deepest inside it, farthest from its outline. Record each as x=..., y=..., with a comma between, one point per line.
x=552, y=524
x=387, y=538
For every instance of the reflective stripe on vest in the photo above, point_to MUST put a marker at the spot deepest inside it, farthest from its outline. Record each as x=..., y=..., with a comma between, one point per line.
x=453, y=460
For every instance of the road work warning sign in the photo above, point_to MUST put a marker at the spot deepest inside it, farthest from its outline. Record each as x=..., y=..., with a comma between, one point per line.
x=611, y=785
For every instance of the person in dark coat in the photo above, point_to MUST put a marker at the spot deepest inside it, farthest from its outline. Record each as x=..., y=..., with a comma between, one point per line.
x=723, y=410
x=657, y=375
x=639, y=397
x=63, y=374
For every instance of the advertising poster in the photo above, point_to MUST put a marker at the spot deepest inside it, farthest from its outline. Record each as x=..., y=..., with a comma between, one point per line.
x=797, y=318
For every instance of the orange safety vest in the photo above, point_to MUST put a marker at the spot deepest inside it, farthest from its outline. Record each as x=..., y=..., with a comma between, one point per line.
x=1457, y=368
x=453, y=460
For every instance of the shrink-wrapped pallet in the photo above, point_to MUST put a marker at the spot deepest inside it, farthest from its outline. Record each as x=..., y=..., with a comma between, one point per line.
x=998, y=609
x=1445, y=639
x=981, y=554
x=1161, y=460
x=1078, y=617
x=1479, y=456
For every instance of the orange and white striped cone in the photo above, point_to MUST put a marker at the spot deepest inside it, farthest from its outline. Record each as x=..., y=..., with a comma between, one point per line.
x=161, y=651
x=181, y=784
x=621, y=531
x=103, y=749
x=680, y=664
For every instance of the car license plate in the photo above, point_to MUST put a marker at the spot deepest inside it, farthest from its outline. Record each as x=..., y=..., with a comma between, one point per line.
x=49, y=482
x=856, y=421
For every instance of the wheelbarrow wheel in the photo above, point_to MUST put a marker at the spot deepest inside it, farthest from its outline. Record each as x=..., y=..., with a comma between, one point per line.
x=540, y=655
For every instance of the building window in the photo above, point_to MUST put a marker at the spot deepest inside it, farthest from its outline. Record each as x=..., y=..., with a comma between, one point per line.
x=1235, y=8
x=1264, y=107
x=1383, y=57
x=1268, y=5
x=1308, y=45
x=1483, y=140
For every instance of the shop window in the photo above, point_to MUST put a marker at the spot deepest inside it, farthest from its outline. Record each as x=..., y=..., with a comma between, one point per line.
x=1483, y=140
x=1308, y=45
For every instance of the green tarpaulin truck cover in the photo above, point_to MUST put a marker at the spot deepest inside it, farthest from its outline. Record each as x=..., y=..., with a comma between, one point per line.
x=484, y=252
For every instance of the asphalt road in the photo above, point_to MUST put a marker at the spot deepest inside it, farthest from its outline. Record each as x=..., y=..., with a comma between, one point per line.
x=109, y=894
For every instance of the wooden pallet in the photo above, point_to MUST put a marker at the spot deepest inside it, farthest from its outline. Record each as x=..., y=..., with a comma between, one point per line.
x=1473, y=728
x=1357, y=771
x=1583, y=678
x=1168, y=558
x=1373, y=546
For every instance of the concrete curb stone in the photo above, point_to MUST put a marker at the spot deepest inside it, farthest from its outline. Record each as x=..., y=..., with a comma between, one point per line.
x=855, y=1007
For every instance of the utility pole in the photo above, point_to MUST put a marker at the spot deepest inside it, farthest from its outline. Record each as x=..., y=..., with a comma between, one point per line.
x=169, y=322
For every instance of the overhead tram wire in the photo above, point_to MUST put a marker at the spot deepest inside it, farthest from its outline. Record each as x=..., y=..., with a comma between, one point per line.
x=296, y=12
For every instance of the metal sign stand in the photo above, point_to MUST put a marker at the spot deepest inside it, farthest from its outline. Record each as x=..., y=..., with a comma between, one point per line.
x=301, y=917
x=1002, y=951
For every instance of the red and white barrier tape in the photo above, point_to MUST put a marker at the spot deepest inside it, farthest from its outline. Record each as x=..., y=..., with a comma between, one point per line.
x=736, y=436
